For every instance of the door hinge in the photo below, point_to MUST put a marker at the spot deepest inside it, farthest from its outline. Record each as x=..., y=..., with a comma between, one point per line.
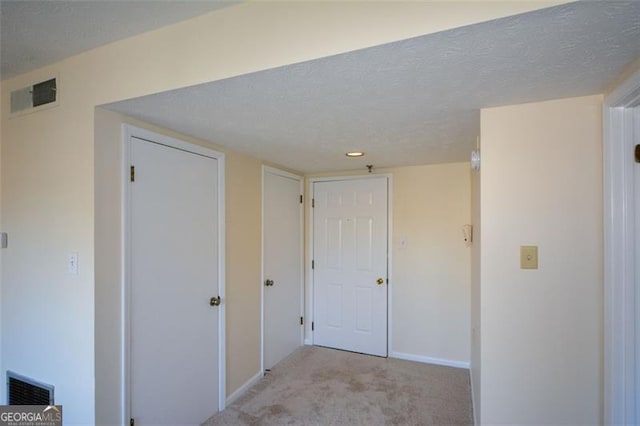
x=301, y=198
x=313, y=264
x=132, y=422
x=312, y=326
x=301, y=321
x=313, y=202
x=133, y=173
x=637, y=153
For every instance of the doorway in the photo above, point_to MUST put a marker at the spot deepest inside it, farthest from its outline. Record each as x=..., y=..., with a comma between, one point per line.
x=282, y=254
x=350, y=263
x=174, y=280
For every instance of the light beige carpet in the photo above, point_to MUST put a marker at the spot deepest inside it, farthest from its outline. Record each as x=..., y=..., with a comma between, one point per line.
x=320, y=386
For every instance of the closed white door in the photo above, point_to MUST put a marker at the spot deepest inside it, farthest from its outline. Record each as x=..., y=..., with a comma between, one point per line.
x=173, y=236
x=350, y=232
x=282, y=288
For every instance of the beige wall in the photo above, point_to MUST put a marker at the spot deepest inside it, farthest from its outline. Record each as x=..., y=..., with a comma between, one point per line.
x=2, y=368
x=542, y=337
x=430, y=277
x=476, y=330
x=243, y=268
x=48, y=157
x=47, y=209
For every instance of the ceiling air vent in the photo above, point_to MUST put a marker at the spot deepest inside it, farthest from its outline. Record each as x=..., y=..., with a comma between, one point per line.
x=31, y=97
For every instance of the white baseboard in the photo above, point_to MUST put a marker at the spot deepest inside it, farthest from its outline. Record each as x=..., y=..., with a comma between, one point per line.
x=429, y=360
x=242, y=389
x=308, y=342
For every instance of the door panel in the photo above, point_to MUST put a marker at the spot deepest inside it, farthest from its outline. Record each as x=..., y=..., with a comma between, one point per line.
x=173, y=274
x=350, y=255
x=282, y=250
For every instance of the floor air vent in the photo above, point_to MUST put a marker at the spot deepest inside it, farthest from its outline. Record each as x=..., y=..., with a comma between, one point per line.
x=25, y=391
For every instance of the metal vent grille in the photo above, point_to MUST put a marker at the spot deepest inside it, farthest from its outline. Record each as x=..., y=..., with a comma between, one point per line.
x=25, y=391
x=27, y=98
x=44, y=93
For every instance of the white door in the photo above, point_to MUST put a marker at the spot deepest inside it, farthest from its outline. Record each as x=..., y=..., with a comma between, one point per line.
x=282, y=252
x=173, y=235
x=350, y=231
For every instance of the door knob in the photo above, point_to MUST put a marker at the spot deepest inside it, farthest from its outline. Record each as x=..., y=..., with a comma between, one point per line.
x=215, y=301
x=380, y=281
x=268, y=283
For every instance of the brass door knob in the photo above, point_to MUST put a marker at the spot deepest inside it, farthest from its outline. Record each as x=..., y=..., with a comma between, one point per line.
x=215, y=301
x=380, y=281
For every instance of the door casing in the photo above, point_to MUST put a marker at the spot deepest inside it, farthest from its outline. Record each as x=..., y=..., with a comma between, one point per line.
x=621, y=290
x=310, y=256
x=129, y=131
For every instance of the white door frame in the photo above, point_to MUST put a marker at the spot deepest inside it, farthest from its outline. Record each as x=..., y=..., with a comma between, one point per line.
x=310, y=241
x=129, y=131
x=300, y=179
x=621, y=310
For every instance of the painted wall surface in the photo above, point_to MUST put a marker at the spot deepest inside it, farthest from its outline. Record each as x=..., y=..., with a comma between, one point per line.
x=48, y=157
x=47, y=209
x=476, y=329
x=242, y=301
x=542, y=337
x=430, y=276
x=3, y=397
x=108, y=267
x=431, y=273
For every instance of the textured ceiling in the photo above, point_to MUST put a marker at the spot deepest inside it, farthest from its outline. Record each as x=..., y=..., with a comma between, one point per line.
x=37, y=33
x=411, y=102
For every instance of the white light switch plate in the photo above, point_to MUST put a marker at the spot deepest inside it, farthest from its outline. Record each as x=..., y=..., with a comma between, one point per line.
x=403, y=242
x=72, y=263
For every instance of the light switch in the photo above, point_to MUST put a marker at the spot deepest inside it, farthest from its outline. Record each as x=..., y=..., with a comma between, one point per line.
x=403, y=243
x=528, y=257
x=72, y=263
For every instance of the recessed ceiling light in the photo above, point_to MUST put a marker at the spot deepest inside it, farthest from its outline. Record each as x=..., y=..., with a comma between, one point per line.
x=354, y=154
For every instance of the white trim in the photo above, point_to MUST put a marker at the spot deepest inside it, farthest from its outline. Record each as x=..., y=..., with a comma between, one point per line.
x=389, y=263
x=222, y=276
x=244, y=388
x=261, y=283
x=621, y=367
x=473, y=398
x=389, y=177
x=430, y=360
x=308, y=259
x=273, y=170
x=129, y=131
x=300, y=179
